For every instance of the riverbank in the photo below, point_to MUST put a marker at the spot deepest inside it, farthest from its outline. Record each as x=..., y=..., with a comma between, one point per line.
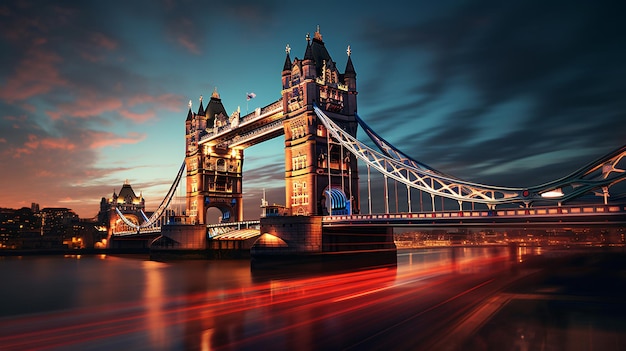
x=63, y=252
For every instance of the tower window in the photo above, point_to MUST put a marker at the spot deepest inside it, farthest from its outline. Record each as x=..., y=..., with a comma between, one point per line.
x=320, y=130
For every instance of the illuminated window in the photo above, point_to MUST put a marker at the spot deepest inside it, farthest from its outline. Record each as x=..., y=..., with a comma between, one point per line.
x=295, y=75
x=221, y=165
x=320, y=130
x=298, y=162
x=296, y=190
x=193, y=211
x=305, y=194
x=299, y=195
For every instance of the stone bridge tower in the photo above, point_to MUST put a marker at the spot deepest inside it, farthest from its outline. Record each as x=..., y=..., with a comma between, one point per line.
x=214, y=173
x=129, y=204
x=310, y=162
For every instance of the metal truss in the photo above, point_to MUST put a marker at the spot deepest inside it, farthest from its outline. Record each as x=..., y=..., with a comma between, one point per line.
x=596, y=178
x=150, y=223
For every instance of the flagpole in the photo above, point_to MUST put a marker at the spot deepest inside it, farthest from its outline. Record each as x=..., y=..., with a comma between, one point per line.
x=248, y=97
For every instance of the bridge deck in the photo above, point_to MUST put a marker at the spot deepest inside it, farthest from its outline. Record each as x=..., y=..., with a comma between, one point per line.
x=263, y=124
x=587, y=214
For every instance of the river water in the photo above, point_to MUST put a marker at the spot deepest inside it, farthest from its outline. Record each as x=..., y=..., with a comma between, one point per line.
x=130, y=302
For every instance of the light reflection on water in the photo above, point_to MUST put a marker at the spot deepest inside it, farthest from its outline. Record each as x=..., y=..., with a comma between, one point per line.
x=131, y=302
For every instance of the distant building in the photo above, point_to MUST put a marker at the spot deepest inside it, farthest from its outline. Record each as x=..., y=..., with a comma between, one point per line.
x=57, y=226
x=19, y=226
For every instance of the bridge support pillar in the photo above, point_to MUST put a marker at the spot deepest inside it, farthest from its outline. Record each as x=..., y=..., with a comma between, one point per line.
x=182, y=237
x=288, y=236
x=301, y=238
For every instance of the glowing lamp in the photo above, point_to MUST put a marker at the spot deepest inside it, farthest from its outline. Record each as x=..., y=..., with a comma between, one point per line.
x=552, y=193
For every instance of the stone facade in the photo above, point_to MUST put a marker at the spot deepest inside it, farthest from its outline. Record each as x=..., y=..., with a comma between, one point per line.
x=309, y=158
x=289, y=235
x=129, y=203
x=214, y=173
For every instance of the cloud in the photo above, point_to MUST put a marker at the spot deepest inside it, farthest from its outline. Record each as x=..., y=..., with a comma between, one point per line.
x=36, y=74
x=137, y=117
x=171, y=102
x=181, y=27
x=105, y=139
x=49, y=164
x=504, y=81
x=187, y=43
x=102, y=41
x=88, y=105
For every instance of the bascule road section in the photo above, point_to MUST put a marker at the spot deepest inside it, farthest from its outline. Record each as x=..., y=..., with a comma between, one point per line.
x=330, y=209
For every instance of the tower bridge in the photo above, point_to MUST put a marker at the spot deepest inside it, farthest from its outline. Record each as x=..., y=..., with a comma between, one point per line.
x=317, y=116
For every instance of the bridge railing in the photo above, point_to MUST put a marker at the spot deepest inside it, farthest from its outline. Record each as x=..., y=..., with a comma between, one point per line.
x=250, y=117
x=221, y=228
x=142, y=231
x=565, y=211
x=240, y=138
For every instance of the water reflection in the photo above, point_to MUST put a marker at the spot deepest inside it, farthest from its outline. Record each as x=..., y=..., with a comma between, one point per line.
x=139, y=304
x=154, y=297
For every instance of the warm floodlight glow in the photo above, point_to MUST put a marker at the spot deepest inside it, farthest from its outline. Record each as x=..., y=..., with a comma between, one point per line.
x=553, y=193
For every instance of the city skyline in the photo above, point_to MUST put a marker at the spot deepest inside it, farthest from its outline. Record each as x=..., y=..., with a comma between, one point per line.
x=92, y=95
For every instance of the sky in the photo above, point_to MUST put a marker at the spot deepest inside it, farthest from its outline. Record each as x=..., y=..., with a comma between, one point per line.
x=94, y=93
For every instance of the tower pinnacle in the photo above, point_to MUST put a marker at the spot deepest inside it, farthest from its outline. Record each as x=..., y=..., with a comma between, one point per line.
x=318, y=35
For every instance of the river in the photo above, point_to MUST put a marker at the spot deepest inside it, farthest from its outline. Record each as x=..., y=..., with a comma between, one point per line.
x=104, y=302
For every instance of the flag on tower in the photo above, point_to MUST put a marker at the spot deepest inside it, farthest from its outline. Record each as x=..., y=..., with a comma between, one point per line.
x=250, y=96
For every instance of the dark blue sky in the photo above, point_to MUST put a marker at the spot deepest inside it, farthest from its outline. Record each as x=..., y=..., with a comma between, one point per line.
x=509, y=93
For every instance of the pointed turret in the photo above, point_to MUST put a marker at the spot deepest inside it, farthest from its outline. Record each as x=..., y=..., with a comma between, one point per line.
x=349, y=76
x=201, y=108
x=349, y=72
x=287, y=65
x=213, y=109
x=308, y=54
x=319, y=53
x=308, y=63
x=287, y=68
x=189, y=113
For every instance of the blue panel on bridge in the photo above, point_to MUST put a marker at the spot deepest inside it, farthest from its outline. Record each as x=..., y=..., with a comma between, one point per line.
x=338, y=202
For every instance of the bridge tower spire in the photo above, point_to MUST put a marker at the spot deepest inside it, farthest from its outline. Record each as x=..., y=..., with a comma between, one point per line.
x=310, y=162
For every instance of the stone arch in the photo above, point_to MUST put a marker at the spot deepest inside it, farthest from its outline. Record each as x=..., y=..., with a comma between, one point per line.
x=224, y=214
x=121, y=226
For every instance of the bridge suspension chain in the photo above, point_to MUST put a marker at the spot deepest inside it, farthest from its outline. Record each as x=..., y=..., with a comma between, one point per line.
x=148, y=222
x=389, y=150
x=578, y=180
x=397, y=165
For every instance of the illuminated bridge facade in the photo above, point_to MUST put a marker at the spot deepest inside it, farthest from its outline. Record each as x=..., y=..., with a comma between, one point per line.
x=317, y=115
